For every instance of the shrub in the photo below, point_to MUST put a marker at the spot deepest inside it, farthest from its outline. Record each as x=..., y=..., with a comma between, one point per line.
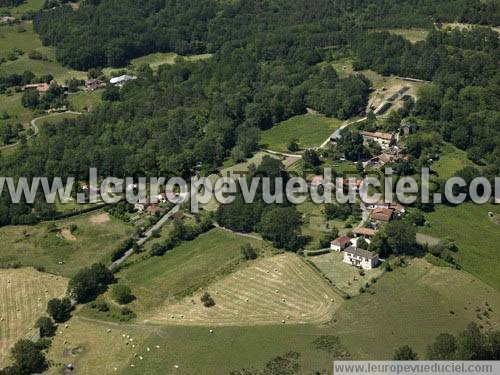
x=207, y=300
x=46, y=326
x=248, y=252
x=122, y=294
x=59, y=309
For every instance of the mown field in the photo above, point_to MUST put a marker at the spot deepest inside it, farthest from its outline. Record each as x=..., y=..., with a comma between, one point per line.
x=476, y=235
x=24, y=293
x=310, y=130
x=280, y=289
x=41, y=245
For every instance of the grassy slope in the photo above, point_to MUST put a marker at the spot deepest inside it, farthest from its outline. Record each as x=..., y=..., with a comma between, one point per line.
x=412, y=306
x=475, y=234
x=452, y=160
x=155, y=280
x=11, y=104
x=83, y=101
x=35, y=245
x=311, y=130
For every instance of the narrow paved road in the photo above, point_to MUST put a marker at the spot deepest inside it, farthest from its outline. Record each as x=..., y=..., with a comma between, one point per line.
x=336, y=133
x=146, y=236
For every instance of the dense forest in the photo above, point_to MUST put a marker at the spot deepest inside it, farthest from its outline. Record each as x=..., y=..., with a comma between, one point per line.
x=111, y=32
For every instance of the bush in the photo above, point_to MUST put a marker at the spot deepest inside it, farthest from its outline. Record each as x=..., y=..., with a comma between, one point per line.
x=122, y=294
x=102, y=306
x=207, y=300
x=248, y=252
x=46, y=326
x=59, y=309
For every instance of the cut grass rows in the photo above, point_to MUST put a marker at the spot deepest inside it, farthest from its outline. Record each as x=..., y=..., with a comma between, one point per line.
x=23, y=299
x=272, y=290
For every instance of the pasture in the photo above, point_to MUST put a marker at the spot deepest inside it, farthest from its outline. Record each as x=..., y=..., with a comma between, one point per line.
x=11, y=103
x=45, y=245
x=84, y=101
x=476, y=235
x=311, y=130
x=185, y=269
x=92, y=350
x=280, y=289
x=412, y=305
x=229, y=169
x=24, y=294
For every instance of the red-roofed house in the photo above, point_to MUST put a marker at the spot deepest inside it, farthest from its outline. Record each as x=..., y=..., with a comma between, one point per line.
x=340, y=243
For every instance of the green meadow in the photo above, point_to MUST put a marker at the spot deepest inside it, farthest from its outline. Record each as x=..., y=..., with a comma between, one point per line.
x=24, y=38
x=311, y=130
x=476, y=235
x=47, y=244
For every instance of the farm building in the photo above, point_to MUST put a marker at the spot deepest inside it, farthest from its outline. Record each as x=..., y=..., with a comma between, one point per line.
x=382, y=214
x=40, y=87
x=94, y=84
x=364, y=232
x=341, y=243
x=121, y=80
x=360, y=258
x=385, y=140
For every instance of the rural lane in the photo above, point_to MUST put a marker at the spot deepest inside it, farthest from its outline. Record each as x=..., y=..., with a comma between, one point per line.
x=149, y=233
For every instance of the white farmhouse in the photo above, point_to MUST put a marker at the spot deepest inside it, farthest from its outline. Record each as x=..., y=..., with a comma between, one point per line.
x=360, y=258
